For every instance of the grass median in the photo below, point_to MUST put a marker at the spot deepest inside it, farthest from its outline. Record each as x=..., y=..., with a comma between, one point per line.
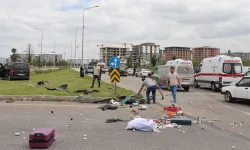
x=57, y=78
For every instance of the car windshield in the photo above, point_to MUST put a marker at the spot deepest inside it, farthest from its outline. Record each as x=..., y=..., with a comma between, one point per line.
x=185, y=70
x=232, y=68
x=90, y=67
x=21, y=66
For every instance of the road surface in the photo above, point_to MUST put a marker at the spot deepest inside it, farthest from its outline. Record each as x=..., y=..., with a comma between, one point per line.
x=89, y=122
x=205, y=104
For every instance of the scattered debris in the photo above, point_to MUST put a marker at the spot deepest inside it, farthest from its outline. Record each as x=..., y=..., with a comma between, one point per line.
x=183, y=131
x=112, y=101
x=84, y=135
x=9, y=101
x=34, y=129
x=63, y=87
x=43, y=83
x=111, y=120
x=86, y=92
x=52, y=112
x=23, y=137
x=233, y=147
x=142, y=124
x=143, y=107
x=71, y=118
x=85, y=138
x=17, y=134
x=108, y=106
x=30, y=85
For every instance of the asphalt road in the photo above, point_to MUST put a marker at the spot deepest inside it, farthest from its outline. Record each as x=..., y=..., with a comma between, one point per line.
x=205, y=104
x=88, y=120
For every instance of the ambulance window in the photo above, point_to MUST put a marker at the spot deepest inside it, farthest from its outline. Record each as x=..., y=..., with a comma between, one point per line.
x=237, y=68
x=227, y=68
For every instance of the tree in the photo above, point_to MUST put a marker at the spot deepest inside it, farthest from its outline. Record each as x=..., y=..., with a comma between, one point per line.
x=196, y=63
x=14, y=57
x=29, y=59
x=129, y=62
x=174, y=57
x=153, y=60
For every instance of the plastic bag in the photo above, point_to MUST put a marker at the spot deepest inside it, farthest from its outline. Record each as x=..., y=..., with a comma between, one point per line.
x=142, y=124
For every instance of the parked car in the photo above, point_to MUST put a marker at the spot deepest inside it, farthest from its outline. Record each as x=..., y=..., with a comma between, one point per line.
x=240, y=90
x=17, y=71
x=2, y=70
x=142, y=73
x=130, y=71
x=122, y=73
x=89, y=69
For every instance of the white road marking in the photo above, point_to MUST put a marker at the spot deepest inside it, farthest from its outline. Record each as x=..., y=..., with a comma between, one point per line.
x=246, y=113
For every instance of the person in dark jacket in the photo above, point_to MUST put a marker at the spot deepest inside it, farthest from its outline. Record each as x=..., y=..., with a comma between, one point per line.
x=134, y=71
x=81, y=72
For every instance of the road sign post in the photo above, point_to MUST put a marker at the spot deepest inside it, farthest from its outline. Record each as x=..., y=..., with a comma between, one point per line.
x=114, y=63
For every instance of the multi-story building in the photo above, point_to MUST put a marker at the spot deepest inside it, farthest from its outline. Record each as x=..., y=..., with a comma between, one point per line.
x=144, y=52
x=78, y=61
x=24, y=56
x=243, y=56
x=175, y=51
x=199, y=53
x=107, y=52
x=51, y=57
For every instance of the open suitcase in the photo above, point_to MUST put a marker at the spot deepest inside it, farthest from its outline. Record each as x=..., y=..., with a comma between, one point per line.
x=42, y=138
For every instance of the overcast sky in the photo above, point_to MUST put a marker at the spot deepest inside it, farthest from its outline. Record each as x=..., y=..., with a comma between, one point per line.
x=219, y=23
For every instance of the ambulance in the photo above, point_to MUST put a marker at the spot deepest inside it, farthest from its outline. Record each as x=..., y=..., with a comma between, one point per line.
x=183, y=67
x=219, y=71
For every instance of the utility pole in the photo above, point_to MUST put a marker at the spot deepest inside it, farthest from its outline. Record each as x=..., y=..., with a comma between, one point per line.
x=71, y=56
x=54, y=53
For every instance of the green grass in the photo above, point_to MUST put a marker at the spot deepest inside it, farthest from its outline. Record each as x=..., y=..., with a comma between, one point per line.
x=57, y=78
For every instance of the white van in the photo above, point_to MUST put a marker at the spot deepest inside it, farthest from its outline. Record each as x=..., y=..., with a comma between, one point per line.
x=246, y=69
x=183, y=67
x=219, y=71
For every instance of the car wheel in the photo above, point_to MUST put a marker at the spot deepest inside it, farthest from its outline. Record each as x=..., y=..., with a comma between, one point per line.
x=213, y=87
x=186, y=89
x=228, y=97
x=196, y=84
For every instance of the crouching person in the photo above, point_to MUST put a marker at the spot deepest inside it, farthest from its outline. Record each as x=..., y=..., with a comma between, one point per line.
x=151, y=88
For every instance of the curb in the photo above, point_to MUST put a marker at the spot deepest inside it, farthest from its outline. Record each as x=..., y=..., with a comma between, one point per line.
x=80, y=99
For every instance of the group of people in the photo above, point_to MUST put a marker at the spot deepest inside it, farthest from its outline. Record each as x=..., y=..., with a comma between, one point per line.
x=97, y=73
x=173, y=81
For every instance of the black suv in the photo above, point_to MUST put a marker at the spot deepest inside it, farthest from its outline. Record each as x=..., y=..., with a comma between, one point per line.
x=13, y=70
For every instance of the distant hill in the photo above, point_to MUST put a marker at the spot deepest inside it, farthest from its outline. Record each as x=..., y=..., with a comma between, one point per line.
x=2, y=59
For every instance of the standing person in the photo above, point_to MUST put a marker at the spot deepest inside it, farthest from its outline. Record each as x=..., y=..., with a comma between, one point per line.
x=96, y=75
x=134, y=71
x=100, y=74
x=151, y=87
x=81, y=72
x=173, y=80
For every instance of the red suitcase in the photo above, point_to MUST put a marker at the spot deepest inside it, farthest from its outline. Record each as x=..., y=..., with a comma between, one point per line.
x=172, y=108
x=42, y=138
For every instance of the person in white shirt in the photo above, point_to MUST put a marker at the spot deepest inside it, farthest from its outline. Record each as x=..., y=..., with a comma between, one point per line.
x=96, y=75
x=151, y=87
x=173, y=81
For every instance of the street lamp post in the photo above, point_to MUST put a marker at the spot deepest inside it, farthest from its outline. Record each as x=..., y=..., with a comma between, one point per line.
x=75, y=47
x=41, y=43
x=83, y=28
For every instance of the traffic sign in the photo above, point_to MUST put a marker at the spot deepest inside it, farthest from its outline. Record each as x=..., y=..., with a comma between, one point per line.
x=114, y=76
x=114, y=62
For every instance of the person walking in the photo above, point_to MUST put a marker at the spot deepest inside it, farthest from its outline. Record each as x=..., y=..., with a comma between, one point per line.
x=81, y=72
x=134, y=71
x=96, y=75
x=159, y=87
x=151, y=88
x=173, y=81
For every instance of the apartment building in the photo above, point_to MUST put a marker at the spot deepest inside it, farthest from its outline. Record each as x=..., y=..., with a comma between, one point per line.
x=243, y=56
x=199, y=53
x=179, y=52
x=24, y=56
x=51, y=57
x=107, y=52
x=144, y=52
